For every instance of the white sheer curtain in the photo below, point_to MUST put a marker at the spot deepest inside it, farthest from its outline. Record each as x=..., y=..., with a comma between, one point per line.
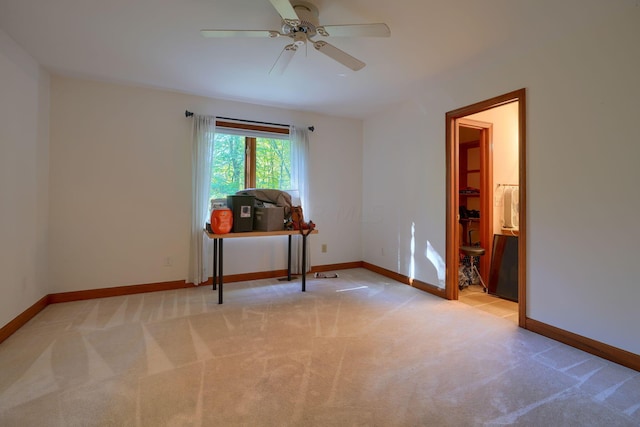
x=202, y=136
x=300, y=182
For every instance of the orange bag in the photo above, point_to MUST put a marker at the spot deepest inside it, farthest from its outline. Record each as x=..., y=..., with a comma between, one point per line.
x=221, y=220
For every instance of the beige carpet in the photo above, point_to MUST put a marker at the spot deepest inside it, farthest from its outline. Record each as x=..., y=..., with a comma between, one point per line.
x=474, y=295
x=359, y=350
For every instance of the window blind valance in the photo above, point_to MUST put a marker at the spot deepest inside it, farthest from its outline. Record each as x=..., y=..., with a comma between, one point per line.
x=238, y=127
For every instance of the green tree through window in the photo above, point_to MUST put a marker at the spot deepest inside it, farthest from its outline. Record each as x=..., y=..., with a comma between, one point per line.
x=241, y=162
x=228, y=166
x=273, y=163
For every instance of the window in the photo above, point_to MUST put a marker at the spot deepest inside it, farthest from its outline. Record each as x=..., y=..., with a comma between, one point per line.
x=248, y=156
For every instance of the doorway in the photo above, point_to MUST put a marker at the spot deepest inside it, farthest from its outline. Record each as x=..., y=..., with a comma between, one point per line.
x=475, y=183
x=456, y=121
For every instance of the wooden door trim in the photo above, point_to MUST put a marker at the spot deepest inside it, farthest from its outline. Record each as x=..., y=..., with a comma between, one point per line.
x=452, y=170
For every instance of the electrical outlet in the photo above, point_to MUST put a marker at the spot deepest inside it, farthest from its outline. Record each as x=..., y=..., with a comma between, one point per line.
x=324, y=248
x=168, y=262
x=382, y=251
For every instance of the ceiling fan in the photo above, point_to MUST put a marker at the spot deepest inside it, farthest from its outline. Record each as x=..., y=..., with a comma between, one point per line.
x=300, y=23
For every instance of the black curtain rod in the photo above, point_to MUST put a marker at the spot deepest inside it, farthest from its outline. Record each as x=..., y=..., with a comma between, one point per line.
x=188, y=113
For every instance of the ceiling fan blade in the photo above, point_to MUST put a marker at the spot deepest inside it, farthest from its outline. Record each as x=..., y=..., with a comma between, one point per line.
x=286, y=11
x=355, y=30
x=339, y=55
x=239, y=33
x=283, y=60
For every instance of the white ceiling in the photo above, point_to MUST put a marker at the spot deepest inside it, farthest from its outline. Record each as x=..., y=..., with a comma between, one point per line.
x=157, y=43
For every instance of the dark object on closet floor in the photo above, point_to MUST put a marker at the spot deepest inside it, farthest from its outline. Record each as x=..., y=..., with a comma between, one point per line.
x=503, y=275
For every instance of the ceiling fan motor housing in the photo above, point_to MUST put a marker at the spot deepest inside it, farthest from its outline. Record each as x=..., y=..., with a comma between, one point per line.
x=308, y=15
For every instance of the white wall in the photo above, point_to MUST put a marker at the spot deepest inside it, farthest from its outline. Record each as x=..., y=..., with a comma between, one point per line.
x=121, y=180
x=582, y=153
x=404, y=191
x=24, y=152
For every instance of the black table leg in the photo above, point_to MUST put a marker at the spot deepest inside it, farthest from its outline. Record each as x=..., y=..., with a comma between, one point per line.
x=220, y=268
x=289, y=260
x=215, y=264
x=304, y=262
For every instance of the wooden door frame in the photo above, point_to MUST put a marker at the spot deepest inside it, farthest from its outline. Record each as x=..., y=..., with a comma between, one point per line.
x=452, y=170
x=486, y=184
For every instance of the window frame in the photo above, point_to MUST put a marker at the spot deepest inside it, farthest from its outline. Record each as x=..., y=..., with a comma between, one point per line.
x=250, y=144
